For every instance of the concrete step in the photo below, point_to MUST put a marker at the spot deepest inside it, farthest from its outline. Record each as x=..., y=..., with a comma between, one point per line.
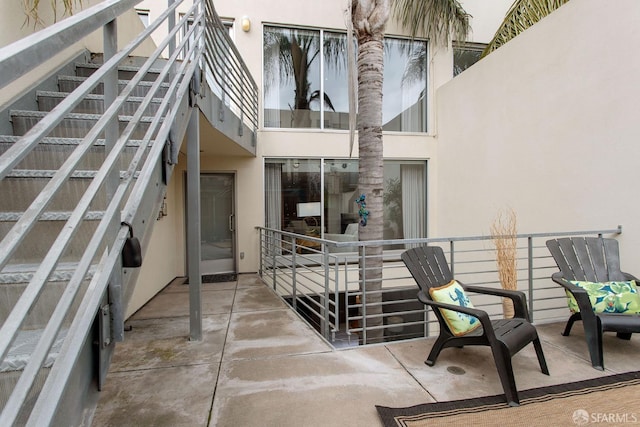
x=70, y=83
x=51, y=153
x=74, y=125
x=94, y=103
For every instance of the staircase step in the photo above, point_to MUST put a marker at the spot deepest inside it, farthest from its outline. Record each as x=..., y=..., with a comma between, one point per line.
x=42, y=236
x=23, y=273
x=43, y=173
x=51, y=153
x=94, y=103
x=125, y=72
x=51, y=216
x=66, y=141
x=24, y=345
x=70, y=83
x=18, y=193
x=15, y=277
x=74, y=125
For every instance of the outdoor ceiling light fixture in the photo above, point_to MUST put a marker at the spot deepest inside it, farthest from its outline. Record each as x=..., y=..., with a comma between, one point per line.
x=245, y=24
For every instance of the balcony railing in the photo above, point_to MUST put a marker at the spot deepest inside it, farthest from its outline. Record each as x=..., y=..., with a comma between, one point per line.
x=321, y=281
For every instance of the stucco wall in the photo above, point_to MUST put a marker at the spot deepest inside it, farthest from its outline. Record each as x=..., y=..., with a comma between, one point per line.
x=547, y=125
x=290, y=142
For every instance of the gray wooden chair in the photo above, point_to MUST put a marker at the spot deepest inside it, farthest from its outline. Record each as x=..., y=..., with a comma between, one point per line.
x=506, y=337
x=592, y=259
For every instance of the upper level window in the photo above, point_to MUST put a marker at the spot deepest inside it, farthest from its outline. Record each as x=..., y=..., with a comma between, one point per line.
x=305, y=81
x=465, y=55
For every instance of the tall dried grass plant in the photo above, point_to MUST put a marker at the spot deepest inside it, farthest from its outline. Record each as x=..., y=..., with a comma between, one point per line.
x=32, y=14
x=504, y=232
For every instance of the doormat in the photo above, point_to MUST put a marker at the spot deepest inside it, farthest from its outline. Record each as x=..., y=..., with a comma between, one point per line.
x=215, y=278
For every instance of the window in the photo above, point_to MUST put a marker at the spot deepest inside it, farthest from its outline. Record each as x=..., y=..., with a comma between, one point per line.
x=144, y=16
x=306, y=83
x=405, y=86
x=465, y=55
x=317, y=197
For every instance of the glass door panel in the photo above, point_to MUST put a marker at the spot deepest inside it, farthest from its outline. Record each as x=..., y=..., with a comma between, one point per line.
x=217, y=233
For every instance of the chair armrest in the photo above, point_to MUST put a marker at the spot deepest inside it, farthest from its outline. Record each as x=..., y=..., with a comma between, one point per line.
x=518, y=297
x=581, y=296
x=629, y=276
x=481, y=315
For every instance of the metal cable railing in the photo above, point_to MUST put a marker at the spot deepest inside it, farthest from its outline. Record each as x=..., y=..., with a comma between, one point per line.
x=325, y=285
x=123, y=188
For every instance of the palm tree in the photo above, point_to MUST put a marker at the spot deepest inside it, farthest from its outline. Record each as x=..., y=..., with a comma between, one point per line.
x=521, y=15
x=435, y=19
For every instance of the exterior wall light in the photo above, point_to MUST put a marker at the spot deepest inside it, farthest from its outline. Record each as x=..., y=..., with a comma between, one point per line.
x=245, y=24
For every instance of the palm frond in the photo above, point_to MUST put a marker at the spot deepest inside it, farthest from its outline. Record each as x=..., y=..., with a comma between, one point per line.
x=435, y=19
x=521, y=15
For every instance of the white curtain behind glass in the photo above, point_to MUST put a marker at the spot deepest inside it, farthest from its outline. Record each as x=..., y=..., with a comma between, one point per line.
x=413, y=201
x=273, y=197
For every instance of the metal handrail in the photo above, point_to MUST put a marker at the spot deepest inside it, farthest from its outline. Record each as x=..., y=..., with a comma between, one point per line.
x=33, y=50
x=105, y=244
x=307, y=271
x=225, y=65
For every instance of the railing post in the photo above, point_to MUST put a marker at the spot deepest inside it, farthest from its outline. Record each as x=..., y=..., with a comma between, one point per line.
x=262, y=241
x=326, y=315
x=294, y=279
x=363, y=289
x=193, y=226
x=111, y=132
x=452, y=257
x=171, y=22
x=530, y=273
x=274, y=268
x=336, y=305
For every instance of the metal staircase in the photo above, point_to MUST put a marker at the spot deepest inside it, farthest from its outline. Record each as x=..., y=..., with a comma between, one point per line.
x=85, y=159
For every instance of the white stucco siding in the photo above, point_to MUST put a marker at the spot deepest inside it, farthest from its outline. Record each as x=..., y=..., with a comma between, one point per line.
x=547, y=125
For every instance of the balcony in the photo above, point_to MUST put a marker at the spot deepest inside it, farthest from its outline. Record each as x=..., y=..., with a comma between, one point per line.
x=260, y=364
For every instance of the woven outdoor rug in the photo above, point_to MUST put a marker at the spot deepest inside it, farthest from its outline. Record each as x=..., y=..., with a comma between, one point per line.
x=612, y=401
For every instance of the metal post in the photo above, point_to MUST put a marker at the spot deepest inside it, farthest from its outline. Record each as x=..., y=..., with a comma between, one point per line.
x=273, y=269
x=326, y=317
x=363, y=289
x=171, y=22
x=530, y=272
x=452, y=256
x=111, y=132
x=193, y=226
x=294, y=279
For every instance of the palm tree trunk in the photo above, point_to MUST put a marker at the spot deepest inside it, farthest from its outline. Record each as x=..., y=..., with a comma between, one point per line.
x=369, y=19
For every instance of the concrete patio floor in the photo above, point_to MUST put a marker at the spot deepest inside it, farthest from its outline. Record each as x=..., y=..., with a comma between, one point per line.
x=260, y=365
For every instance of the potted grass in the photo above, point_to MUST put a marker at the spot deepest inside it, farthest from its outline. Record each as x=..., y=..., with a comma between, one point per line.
x=504, y=237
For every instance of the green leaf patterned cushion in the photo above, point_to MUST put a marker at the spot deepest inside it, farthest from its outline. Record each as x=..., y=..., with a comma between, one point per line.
x=608, y=297
x=453, y=293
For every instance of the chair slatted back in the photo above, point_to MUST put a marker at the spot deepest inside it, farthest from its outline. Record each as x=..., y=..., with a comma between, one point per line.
x=593, y=259
x=428, y=266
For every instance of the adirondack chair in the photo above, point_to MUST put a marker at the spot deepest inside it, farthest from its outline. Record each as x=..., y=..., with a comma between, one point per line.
x=506, y=337
x=596, y=260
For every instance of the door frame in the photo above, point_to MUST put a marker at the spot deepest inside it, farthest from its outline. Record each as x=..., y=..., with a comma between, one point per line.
x=234, y=233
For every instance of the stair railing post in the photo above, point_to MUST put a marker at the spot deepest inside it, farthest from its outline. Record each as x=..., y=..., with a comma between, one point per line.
x=110, y=41
x=193, y=226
